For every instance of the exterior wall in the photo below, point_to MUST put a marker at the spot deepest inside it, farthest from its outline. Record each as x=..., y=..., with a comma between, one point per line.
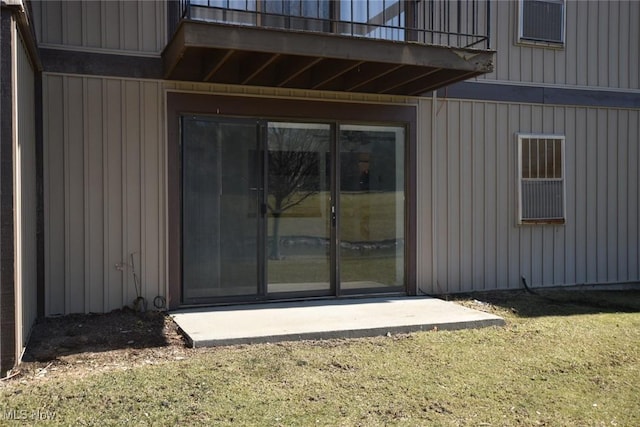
x=602, y=47
x=105, y=185
x=121, y=26
x=104, y=198
x=25, y=195
x=468, y=198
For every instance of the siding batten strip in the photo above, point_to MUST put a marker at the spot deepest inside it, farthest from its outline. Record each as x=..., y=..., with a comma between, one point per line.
x=123, y=192
x=67, y=208
x=86, y=183
x=105, y=191
x=143, y=193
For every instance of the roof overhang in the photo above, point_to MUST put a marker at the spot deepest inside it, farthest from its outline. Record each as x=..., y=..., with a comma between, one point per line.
x=259, y=56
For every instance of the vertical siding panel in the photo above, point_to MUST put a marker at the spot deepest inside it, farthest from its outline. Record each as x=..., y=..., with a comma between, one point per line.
x=548, y=233
x=622, y=206
x=613, y=184
x=514, y=232
x=601, y=196
x=92, y=30
x=505, y=26
x=73, y=23
x=634, y=45
x=478, y=197
x=469, y=139
x=25, y=183
x=36, y=19
x=441, y=244
x=633, y=182
x=526, y=67
x=537, y=249
x=582, y=147
x=131, y=184
x=614, y=30
x=52, y=22
x=623, y=47
x=603, y=44
x=501, y=207
x=94, y=190
x=113, y=200
x=571, y=43
x=162, y=194
x=559, y=243
x=74, y=202
x=86, y=191
x=112, y=24
x=490, y=186
x=453, y=196
x=130, y=25
x=569, y=249
x=584, y=38
x=526, y=235
x=147, y=23
x=591, y=47
x=549, y=63
x=151, y=207
x=54, y=195
x=591, y=230
x=425, y=268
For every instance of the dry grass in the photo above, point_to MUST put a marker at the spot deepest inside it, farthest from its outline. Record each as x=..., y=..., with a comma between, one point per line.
x=555, y=363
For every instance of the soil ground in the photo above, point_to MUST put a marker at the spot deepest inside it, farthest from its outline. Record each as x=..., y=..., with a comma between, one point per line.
x=82, y=344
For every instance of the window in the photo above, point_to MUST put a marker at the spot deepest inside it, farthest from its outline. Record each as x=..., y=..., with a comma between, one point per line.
x=541, y=179
x=542, y=21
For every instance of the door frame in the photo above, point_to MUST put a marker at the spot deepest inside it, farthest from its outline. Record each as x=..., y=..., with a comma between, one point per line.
x=181, y=103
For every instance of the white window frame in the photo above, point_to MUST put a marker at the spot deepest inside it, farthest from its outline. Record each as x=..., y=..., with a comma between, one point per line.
x=544, y=43
x=520, y=137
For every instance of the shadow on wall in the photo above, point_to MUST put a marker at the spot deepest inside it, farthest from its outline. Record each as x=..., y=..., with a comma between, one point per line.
x=560, y=302
x=60, y=336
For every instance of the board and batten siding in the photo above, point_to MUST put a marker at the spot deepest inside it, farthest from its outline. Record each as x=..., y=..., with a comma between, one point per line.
x=104, y=192
x=25, y=194
x=467, y=198
x=122, y=26
x=602, y=47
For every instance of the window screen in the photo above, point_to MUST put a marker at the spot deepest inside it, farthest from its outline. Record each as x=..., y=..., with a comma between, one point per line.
x=542, y=20
x=541, y=178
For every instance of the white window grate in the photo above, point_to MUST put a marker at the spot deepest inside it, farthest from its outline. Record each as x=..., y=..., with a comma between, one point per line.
x=542, y=21
x=541, y=183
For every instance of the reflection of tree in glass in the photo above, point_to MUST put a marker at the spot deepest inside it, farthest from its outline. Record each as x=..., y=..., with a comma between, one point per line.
x=294, y=172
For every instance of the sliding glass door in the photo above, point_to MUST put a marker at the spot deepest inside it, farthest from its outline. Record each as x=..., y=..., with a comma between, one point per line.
x=220, y=222
x=371, y=214
x=274, y=209
x=299, y=207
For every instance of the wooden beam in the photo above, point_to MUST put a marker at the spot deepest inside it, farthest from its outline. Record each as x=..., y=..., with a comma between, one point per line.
x=294, y=67
x=215, y=62
x=327, y=73
x=259, y=68
x=366, y=73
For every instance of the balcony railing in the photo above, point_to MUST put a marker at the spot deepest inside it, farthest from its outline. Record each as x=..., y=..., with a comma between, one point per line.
x=453, y=23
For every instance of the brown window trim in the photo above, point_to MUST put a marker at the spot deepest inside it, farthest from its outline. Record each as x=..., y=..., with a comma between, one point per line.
x=240, y=106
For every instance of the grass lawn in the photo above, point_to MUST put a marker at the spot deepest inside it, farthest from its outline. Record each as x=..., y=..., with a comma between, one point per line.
x=555, y=363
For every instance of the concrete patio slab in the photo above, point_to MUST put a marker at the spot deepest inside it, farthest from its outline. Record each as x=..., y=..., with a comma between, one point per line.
x=318, y=319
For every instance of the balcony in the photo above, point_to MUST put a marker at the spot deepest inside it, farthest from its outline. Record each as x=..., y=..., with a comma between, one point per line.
x=402, y=47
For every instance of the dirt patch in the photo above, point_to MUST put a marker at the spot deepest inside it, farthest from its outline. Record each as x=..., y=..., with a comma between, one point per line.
x=82, y=344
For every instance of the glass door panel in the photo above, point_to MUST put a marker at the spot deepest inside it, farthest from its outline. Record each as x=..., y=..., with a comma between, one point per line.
x=371, y=209
x=220, y=221
x=298, y=204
